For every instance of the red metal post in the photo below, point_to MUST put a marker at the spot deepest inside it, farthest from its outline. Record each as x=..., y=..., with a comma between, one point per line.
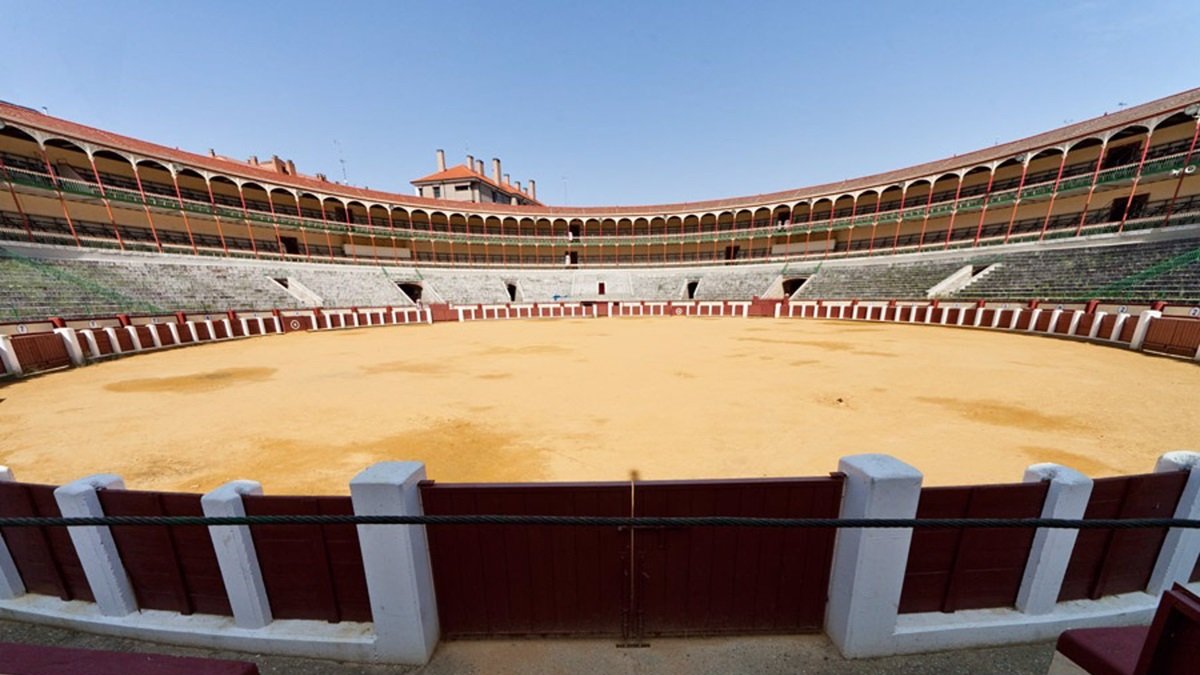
x=275, y=223
x=1092, y=190
x=350, y=234
x=328, y=237
x=1053, y=196
x=183, y=212
x=925, y=218
x=303, y=228
x=12, y=190
x=246, y=218
x=954, y=211
x=107, y=206
x=1182, y=172
x=216, y=216
x=987, y=194
x=875, y=222
x=900, y=216
x=1137, y=176
x=371, y=225
x=146, y=205
x=61, y=199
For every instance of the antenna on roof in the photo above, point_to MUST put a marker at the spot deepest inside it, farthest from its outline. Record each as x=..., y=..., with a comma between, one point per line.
x=1121, y=104
x=45, y=110
x=341, y=159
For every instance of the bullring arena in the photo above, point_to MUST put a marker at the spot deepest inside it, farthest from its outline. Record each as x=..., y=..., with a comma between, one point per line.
x=593, y=399
x=424, y=418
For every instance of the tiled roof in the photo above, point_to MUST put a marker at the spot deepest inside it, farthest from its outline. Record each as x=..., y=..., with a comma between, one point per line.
x=462, y=172
x=28, y=118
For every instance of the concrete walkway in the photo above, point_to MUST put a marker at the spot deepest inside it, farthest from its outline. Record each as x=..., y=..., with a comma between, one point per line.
x=716, y=656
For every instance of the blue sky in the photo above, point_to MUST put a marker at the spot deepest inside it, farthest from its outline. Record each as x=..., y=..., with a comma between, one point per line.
x=602, y=102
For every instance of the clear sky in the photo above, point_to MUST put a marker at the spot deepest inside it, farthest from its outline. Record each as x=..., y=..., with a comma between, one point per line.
x=605, y=102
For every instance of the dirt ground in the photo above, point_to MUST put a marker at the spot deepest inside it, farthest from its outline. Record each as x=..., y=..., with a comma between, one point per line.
x=594, y=399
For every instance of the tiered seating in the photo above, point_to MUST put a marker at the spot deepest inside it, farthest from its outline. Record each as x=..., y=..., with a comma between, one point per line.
x=883, y=280
x=734, y=284
x=31, y=290
x=544, y=287
x=645, y=285
x=346, y=286
x=1107, y=272
x=468, y=288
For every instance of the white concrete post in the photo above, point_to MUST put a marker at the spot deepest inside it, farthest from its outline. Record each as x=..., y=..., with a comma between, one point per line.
x=71, y=340
x=396, y=561
x=262, y=326
x=12, y=365
x=1094, y=331
x=1180, y=549
x=228, y=328
x=869, y=563
x=1143, y=325
x=11, y=585
x=1053, y=321
x=1067, y=497
x=88, y=347
x=112, y=339
x=996, y=317
x=979, y=316
x=354, y=315
x=191, y=329
x=1016, y=316
x=173, y=329
x=1075, y=318
x=1033, y=319
x=236, y=555
x=135, y=338
x=1116, y=329
x=95, y=545
x=212, y=332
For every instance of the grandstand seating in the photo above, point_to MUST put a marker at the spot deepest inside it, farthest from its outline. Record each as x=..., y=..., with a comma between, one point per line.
x=657, y=286
x=734, y=284
x=878, y=280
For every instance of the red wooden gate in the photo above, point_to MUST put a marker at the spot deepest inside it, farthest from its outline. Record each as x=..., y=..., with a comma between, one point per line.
x=604, y=581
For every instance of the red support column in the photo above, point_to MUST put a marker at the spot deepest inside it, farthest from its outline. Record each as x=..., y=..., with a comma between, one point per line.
x=107, y=205
x=12, y=191
x=850, y=230
x=146, y=205
x=1053, y=195
x=187, y=225
x=900, y=216
x=987, y=194
x=392, y=229
x=1182, y=172
x=954, y=211
x=275, y=224
x=328, y=237
x=370, y=224
x=925, y=218
x=303, y=228
x=1092, y=190
x=875, y=222
x=61, y=199
x=246, y=218
x=1137, y=176
x=212, y=200
x=1012, y=217
x=350, y=234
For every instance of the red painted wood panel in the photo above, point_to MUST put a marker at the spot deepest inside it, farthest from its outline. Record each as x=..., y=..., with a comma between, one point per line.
x=730, y=580
x=1085, y=325
x=1173, y=336
x=219, y=330
x=145, y=337
x=1023, y=318
x=1043, y=321
x=102, y=342
x=124, y=340
x=1063, y=325
x=296, y=323
x=970, y=568
x=1128, y=328
x=310, y=571
x=989, y=315
x=202, y=332
x=529, y=580
x=40, y=351
x=1106, y=326
x=170, y=568
x=44, y=556
x=1108, y=562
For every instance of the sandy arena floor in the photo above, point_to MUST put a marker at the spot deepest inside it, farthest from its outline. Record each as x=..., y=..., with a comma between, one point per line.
x=594, y=399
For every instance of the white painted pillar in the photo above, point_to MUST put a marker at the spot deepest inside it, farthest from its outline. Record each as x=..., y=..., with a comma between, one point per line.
x=1075, y=319
x=95, y=545
x=869, y=563
x=278, y=325
x=996, y=315
x=1053, y=321
x=190, y=327
x=929, y=313
x=1116, y=330
x=1033, y=319
x=236, y=555
x=262, y=326
x=1067, y=497
x=1016, y=315
x=1180, y=549
x=71, y=340
x=212, y=332
x=1096, y=321
x=1143, y=325
x=979, y=316
x=11, y=585
x=396, y=562
x=428, y=315
x=228, y=328
x=173, y=328
x=135, y=338
x=89, y=344
x=12, y=365
x=112, y=339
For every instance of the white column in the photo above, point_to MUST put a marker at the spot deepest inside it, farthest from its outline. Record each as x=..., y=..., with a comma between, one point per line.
x=1116, y=329
x=228, y=328
x=1096, y=321
x=236, y=555
x=11, y=585
x=135, y=338
x=869, y=563
x=1016, y=315
x=1067, y=497
x=190, y=327
x=212, y=332
x=1033, y=319
x=173, y=329
x=95, y=545
x=396, y=562
x=71, y=341
x=89, y=346
x=1179, y=551
x=996, y=314
x=1143, y=325
x=12, y=365
x=1053, y=320
x=154, y=338
x=112, y=339
x=355, y=317
x=979, y=316
x=1075, y=319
